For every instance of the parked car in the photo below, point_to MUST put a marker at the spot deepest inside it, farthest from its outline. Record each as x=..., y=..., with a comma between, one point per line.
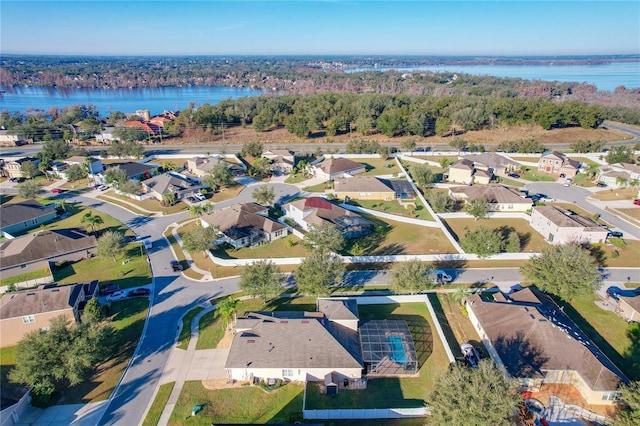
x=441, y=277
x=616, y=234
x=116, y=296
x=103, y=187
x=601, y=185
x=568, y=182
x=192, y=199
x=514, y=175
x=546, y=199
x=470, y=354
x=636, y=201
x=56, y=191
x=109, y=290
x=147, y=244
x=199, y=196
x=176, y=266
x=139, y=292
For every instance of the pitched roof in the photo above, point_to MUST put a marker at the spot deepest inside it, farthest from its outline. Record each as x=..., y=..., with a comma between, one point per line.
x=13, y=213
x=531, y=335
x=361, y=184
x=633, y=301
x=462, y=164
x=168, y=183
x=554, y=154
x=337, y=165
x=492, y=193
x=277, y=342
x=242, y=220
x=44, y=245
x=78, y=159
x=24, y=160
x=279, y=152
x=206, y=164
x=134, y=169
x=33, y=302
x=338, y=309
x=321, y=211
x=566, y=219
x=491, y=159
x=634, y=168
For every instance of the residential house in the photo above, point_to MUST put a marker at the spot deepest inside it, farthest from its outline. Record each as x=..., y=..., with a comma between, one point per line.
x=13, y=167
x=295, y=346
x=10, y=139
x=556, y=163
x=628, y=307
x=200, y=166
x=372, y=188
x=317, y=212
x=492, y=162
x=148, y=127
x=534, y=341
x=619, y=175
x=169, y=183
x=500, y=198
x=465, y=171
x=32, y=310
x=18, y=217
x=336, y=168
x=282, y=160
x=94, y=165
x=560, y=226
x=106, y=135
x=36, y=251
x=245, y=225
x=137, y=170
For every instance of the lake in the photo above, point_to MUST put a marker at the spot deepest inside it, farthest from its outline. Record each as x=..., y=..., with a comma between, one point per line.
x=603, y=76
x=156, y=100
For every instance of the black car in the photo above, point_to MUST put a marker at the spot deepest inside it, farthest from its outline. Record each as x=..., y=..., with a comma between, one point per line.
x=514, y=175
x=139, y=292
x=109, y=290
x=176, y=266
x=616, y=234
x=601, y=185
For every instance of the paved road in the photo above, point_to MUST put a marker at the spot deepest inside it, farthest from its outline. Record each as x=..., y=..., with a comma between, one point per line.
x=578, y=196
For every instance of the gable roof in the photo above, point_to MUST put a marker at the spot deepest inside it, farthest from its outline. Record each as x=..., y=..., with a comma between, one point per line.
x=338, y=309
x=242, y=220
x=43, y=245
x=289, y=342
x=492, y=193
x=134, y=169
x=338, y=165
x=13, y=213
x=206, y=164
x=632, y=301
x=491, y=159
x=633, y=168
x=33, y=302
x=362, y=184
x=462, y=164
x=566, y=219
x=321, y=211
x=531, y=335
x=167, y=183
x=566, y=161
x=78, y=159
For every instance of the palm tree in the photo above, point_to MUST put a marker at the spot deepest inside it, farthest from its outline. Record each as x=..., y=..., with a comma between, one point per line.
x=635, y=183
x=621, y=181
x=226, y=309
x=208, y=207
x=460, y=294
x=62, y=205
x=169, y=199
x=593, y=170
x=168, y=166
x=92, y=221
x=196, y=210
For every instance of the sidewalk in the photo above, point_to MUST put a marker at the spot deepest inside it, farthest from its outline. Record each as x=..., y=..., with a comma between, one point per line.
x=206, y=275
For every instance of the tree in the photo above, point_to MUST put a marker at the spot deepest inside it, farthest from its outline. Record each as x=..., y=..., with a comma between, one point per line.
x=91, y=220
x=54, y=150
x=169, y=199
x=422, y=175
x=130, y=186
x=483, y=241
x=459, y=144
x=29, y=189
x=208, y=207
x=110, y=244
x=252, y=149
x=264, y=195
x=76, y=172
x=115, y=175
x=93, y=312
x=260, y=167
x=168, y=166
x=219, y=175
x=29, y=170
x=474, y=396
x=477, y=207
x=318, y=272
x=620, y=154
x=225, y=309
x=326, y=238
x=460, y=294
x=629, y=412
x=261, y=278
x=199, y=239
x=621, y=181
x=444, y=162
x=196, y=210
x=593, y=170
x=566, y=270
x=440, y=201
x=408, y=145
x=412, y=275
x=513, y=244
x=62, y=206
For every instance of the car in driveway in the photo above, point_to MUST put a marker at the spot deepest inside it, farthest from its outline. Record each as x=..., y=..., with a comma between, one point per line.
x=138, y=292
x=514, y=175
x=56, y=191
x=116, y=296
x=176, y=266
x=601, y=185
x=636, y=202
x=616, y=234
x=109, y=290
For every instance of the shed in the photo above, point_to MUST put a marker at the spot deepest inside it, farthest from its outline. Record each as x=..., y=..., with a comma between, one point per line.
x=331, y=383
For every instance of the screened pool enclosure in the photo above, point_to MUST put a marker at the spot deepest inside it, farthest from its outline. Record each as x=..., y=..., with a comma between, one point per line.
x=387, y=348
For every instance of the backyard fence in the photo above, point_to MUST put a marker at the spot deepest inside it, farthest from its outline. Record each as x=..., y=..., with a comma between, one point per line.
x=364, y=413
x=11, y=415
x=29, y=283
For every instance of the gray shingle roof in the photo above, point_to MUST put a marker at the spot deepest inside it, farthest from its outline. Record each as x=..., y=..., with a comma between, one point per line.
x=13, y=213
x=242, y=220
x=33, y=302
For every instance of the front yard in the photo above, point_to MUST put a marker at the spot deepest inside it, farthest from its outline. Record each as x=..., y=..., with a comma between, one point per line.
x=614, y=194
x=290, y=246
x=394, y=207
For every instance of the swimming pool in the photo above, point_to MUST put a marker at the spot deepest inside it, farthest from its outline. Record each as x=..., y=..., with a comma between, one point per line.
x=397, y=353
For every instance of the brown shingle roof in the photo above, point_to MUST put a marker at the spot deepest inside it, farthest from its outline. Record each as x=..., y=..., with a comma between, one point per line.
x=288, y=343
x=338, y=309
x=44, y=245
x=168, y=183
x=338, y=165
x=33, y=302
x=361, y=184
x=462, y=164
x=531, y=335
x=491, y=159
x=565, y=219
x=241, y=220
x=492, y=193
x=321, y=211
x=633, y=301
x=13, y=213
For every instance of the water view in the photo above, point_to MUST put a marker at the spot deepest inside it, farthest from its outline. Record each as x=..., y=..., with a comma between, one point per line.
x=603, y=76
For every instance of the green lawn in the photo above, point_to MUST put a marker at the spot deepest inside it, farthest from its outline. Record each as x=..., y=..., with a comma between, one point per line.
x=238, y=405
x=394, y=392
x=315, y=188
x=394, y=207
x=608, y=331
x=135, y=272
x=150, y=204
x=211, y=331
x=533, y=175
x=185, y=333
x=509, y=182
x=156, y=409
x=76, y=211
x=10, y=392
x=40, y=273
x=379, y=166
x=119, y=202
x=290, y=246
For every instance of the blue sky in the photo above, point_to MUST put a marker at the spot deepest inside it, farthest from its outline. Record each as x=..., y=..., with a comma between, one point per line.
x=320, y=27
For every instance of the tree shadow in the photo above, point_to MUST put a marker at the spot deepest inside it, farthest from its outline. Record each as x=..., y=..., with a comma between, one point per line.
x=449, y=335
x=597, y=253
x=453, y=261
x=524, y=359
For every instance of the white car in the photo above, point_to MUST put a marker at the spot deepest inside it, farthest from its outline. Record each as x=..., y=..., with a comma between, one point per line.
x=117, y=296
x=147, y=244
x=441, y=277
x=199, y=196
x=547, y=200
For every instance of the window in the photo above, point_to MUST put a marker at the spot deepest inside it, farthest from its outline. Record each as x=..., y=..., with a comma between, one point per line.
x=28, y=319
x=287, y=372
x=611, y=396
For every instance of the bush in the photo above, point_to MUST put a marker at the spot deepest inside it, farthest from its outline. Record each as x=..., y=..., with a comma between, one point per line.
x=617, y=242
x=615, y=254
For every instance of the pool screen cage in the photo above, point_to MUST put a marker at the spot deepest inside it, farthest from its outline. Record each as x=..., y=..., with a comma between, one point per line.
x=387, y=348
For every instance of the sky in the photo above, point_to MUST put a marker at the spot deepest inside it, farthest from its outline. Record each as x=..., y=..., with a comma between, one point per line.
x=329, y=27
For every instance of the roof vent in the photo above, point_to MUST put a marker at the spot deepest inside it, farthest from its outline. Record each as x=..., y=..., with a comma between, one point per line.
x=283, y=321
x=305, y=322
x=251, y=341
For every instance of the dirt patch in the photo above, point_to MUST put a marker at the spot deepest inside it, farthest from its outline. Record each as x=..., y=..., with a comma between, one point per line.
x=213, y=384
x=226, y=340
